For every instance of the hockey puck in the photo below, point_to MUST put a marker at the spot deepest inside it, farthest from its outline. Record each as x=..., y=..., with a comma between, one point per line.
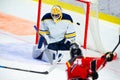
x=78, y=23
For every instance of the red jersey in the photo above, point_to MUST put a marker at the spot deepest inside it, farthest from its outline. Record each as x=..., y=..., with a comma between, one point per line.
x=81, y=67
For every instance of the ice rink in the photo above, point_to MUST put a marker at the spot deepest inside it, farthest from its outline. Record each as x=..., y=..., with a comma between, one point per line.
x=16, y=47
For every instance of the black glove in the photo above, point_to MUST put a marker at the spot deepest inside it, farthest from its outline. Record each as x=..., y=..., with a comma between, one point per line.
x=109, y=56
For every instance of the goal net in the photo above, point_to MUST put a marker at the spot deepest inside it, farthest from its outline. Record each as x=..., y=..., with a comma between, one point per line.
x=91, y=28
x=87, y=27
x=86, y=23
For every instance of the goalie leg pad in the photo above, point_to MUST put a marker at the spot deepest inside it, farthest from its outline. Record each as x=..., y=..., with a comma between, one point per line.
x=46, y=55
x=49, y=55
x=37, y=53
x=38, y=50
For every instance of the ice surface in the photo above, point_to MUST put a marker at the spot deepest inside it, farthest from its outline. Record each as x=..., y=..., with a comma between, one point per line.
x=16, y=51
x=18, y=54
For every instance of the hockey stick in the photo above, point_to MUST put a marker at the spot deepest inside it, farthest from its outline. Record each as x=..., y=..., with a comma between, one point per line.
x=115, y=54
x=35, y=28
x=116, y=45
x=32, y=71
x=114, y=48
x=18, y=69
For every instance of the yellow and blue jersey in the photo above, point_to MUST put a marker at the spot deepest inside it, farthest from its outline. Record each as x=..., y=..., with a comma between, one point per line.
x=59, y=30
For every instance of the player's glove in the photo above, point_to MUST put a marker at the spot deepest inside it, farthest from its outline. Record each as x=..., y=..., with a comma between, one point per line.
x=109, y=56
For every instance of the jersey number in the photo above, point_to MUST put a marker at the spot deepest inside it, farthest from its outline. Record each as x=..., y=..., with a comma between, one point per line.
x=78, y=62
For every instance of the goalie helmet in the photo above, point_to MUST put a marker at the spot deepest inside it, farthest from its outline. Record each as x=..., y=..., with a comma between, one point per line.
x=75, y=51
x=56, y=13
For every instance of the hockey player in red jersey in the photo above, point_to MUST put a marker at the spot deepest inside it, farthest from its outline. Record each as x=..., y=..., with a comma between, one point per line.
x=81, y=68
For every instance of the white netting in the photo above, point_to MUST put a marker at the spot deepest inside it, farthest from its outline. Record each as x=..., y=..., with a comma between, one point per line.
x=93, y=39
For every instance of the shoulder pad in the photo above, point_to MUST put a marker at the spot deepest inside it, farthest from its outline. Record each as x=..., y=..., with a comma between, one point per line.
x=46, y=16
x=66, y=17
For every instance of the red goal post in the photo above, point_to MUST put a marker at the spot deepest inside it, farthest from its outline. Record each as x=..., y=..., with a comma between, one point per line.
x=38, y=20
x=86, y=22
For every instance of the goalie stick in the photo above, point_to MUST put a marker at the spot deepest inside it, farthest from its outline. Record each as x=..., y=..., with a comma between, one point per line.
x=37, y=30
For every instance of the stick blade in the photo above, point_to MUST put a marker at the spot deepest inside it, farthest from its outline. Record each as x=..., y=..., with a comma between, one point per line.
x=46, y=72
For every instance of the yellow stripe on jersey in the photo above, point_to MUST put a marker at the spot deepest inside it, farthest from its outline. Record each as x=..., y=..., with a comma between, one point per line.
x=70, y=35
x=44, y=32
x=68, y=64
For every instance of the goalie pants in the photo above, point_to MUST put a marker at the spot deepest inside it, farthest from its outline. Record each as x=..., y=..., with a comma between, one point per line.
x=61, y=45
